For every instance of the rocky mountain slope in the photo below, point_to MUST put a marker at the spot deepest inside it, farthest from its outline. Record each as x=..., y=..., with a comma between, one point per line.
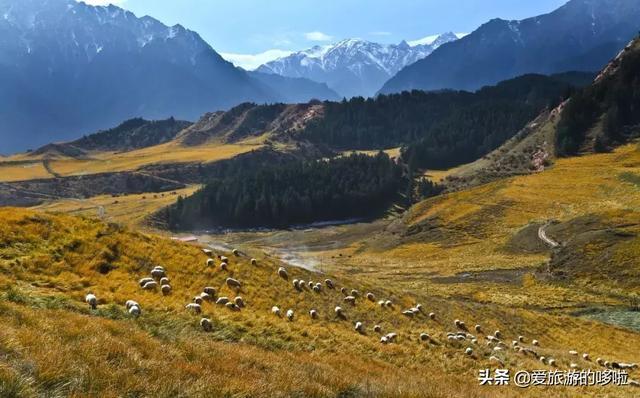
x=353, y=67
x=581, y=35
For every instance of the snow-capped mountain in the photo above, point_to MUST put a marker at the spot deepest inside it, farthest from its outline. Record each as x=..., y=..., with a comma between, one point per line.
x=67, y=68
x=354, y=67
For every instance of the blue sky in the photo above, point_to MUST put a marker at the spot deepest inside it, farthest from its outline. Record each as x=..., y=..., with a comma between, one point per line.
x=249, y=27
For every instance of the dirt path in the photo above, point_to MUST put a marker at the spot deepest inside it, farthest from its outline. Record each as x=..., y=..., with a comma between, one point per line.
x=542, y=234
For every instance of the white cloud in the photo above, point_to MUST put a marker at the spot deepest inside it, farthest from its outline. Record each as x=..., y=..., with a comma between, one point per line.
x=253, y=61
x=318, y=36
x=102, y=2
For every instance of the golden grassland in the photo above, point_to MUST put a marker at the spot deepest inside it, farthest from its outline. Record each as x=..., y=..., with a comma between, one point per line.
x=124, y=209
x=54, y=345
x=25, y=167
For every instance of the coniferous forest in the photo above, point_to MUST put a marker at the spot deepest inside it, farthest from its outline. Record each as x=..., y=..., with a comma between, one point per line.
x=297, y=192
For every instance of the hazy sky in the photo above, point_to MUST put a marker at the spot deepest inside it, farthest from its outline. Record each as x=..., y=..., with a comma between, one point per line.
x=250, y=27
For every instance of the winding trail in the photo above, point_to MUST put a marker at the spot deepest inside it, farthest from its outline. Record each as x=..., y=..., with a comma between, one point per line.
x=542, y=234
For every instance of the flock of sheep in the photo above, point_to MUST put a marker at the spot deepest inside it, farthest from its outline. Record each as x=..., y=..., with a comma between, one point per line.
x=459, y=338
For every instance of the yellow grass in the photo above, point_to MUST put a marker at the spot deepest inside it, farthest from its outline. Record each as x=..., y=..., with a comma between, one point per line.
x=10, y=171
x=53, y=343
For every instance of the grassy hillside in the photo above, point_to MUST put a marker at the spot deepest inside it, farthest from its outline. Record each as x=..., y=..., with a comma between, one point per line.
x=52, y=342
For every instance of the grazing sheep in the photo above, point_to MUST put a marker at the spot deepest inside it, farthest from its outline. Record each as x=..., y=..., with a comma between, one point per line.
x=514, y=343
x=521, y=339
x=210, y=291
x=222, y=300
x=474, y=341
x=496, y=359
x=552, y=362
x=131, y=303
x=388, y=303
x=164, y=281
x=350, y=299
x=355, y=293
x=329, y=283
x=198, y=300
x=543, y=359
x=235, y=252
x=194, y=307
x=232, y=306
x=275, y=310
x=150, y=285
x=302, y=284
x=135, y=310
x=207, y=252
x=310, y=284
x=600, y=361
x=92, y=300
x=419, y=307
x=224, y=267
x=313, y=314
x=415, y=310
x=392, y=337
x=165, y=289
x=371, y=297
x=317, y=288
x=424, y=337
x=535, y=342
x=432, y=316
x=497, y=334
x=210, y=262
x=157, y=273
x=573, y=366
x=206, y=324
x=469, y=351
x=144, y=281
x=282, y=273
x=460, y=325
x=573, y=353
x=296, y=285
x=408, y=313
x=254, y=261
x=233, y=283
x=239, y=302
x=384, y=340
x=377, y=328
x=205, y=296
x=586, y=357
x=381, y=303
x=339, y=312
x=159, y=267
x=628, y=365
x=224, y=259
x=478, y=328
x=343, y=290
x=358, y=327
x=290, y=315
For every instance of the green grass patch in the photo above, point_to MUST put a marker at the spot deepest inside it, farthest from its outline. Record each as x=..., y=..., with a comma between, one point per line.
x=631, y=178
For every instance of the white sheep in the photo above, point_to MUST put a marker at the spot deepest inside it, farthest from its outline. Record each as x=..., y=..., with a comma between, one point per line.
x=535, y=342
x=224, y=259
x=552, y=362
x=469, y=351
x=496, y=359
x=586, y=357
x=254, y=261
x=290, y=315
x=384, y=340
x=377, y=328
x=381, y=303
x=157, y=273
x=165, y=289
x=210, y=291
x=92, y=300
x=207, y=252
x=415, y=310
x=573, y=353
x=222, y=300
x=392, y=337
x=311, y=284
x=498, y=334
x=329, y=283
x=150, y=285
x=159, y=267
x=350, y=299
x=275, y=310
x=232, y=306
x=388, y=303
x=600, y=361
x=233, y=283
x=164, y=281
x=206, y=296
x=424, y=337
x=339, y=312
x=131, y=303
x=210, y=262
x=543, y=359
x=206, y=324
x=198, y=300
x=296, y=285
x=478, y=328
x=344, y=291
x=419, y=307
x=302, y=284
x=313, y=314
x=235, y=252
x=371, y=297
x=317, y=288
x=573, y=365
x=408, y=313
x=144, y=281
x=359, y=327
x=282, y=273
x=521, y=339
x=460, y=325
x=135, y=310
x=239, y=302
x=355, y=293
x=224, y=267
x=193, y=307
x=432, y=315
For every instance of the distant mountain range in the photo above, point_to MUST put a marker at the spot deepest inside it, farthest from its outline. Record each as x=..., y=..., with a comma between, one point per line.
x=354, y=67
x=67, y=68
x=582, y=35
